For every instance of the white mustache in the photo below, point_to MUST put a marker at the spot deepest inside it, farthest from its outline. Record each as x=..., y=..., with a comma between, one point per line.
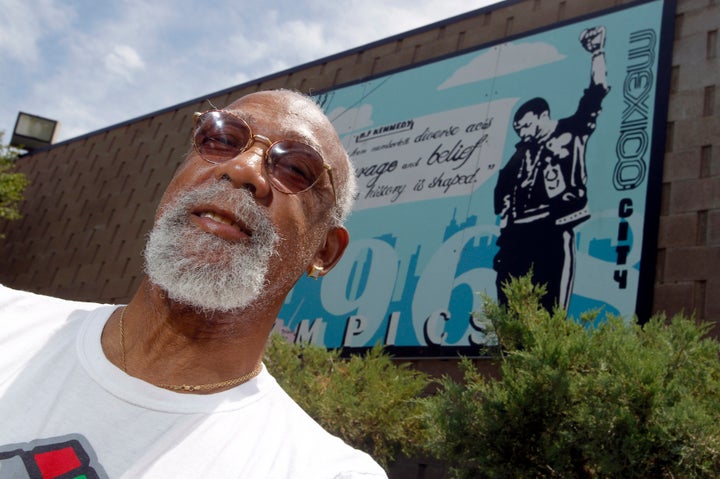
x=237, y=200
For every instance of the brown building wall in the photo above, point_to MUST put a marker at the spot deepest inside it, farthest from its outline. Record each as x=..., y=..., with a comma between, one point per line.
x=92, y=200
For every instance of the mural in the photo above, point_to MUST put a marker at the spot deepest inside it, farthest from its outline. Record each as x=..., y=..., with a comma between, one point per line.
x=536, y=152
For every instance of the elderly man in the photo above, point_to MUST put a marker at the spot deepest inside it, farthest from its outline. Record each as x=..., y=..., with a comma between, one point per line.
x=172, y=385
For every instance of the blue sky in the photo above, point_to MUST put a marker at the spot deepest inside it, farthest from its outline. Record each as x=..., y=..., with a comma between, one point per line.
x=91, y=64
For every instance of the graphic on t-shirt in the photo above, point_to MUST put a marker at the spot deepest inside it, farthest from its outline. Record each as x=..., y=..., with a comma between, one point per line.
x=67, y=457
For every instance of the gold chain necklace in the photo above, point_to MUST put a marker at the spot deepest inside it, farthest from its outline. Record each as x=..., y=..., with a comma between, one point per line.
x=188, y=387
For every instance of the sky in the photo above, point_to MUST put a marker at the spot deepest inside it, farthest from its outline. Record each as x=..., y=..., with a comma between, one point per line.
x=91, y=64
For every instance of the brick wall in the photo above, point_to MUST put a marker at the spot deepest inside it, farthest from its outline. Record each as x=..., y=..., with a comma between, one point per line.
x=92, y=199
x=688, y=256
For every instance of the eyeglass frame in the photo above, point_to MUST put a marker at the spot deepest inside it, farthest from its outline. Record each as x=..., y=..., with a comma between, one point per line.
x=266, y=141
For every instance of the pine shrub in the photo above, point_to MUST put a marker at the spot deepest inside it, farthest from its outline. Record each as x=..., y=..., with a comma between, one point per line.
x=583, y=399
x=367, y=400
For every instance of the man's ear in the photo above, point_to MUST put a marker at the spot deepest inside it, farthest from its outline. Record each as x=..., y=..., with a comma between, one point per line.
x=330, y=252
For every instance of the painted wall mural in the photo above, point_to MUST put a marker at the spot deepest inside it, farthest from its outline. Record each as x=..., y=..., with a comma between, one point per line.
x=537, y=152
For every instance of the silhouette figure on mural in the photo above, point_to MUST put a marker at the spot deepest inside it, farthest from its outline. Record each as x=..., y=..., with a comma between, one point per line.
x=541, y=193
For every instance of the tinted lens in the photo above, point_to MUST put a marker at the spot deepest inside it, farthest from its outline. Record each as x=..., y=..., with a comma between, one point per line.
x=294, y=166
x=219, y=137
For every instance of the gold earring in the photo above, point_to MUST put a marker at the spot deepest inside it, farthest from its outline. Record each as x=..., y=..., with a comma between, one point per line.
x=314, y=271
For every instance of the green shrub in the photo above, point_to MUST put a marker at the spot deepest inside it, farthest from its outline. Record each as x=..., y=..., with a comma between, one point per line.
x=577, y=400
x=12, y=184
x=368, y=401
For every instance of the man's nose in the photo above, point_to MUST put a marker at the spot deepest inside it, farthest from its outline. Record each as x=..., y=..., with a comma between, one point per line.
x=246, y=170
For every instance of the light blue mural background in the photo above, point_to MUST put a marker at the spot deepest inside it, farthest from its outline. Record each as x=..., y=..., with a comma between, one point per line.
x=433, y=258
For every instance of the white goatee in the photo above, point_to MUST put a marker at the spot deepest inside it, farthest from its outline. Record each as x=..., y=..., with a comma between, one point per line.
x=201, y=269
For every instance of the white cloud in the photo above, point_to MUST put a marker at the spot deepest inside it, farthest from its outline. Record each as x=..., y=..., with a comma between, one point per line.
x=24, y=24
x=503, y=60
x=123, y=60
x=353, y=24
x=92, y=64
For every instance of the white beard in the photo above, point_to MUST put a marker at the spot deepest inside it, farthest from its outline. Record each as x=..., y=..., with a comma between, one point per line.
x=201, y=269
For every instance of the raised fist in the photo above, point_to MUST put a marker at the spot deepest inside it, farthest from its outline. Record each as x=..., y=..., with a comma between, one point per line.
x=593, y=39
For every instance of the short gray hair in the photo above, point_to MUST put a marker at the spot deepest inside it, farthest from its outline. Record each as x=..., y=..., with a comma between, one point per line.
x=346, y=195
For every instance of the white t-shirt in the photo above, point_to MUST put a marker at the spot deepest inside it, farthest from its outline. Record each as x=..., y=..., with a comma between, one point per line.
x=65, y=408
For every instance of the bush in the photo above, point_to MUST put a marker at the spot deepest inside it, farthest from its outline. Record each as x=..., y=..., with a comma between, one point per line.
x=12, y=184
x=577, y=400
x=368, y=401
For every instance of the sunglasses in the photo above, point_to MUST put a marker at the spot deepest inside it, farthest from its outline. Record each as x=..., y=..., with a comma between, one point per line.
x=291, y=166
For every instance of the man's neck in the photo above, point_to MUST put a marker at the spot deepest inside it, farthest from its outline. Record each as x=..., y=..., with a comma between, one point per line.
x=163, y=342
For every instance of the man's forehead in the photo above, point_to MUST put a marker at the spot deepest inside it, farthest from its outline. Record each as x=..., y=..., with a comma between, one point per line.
x=278, y=104
x=527, y=118
x=287, y=117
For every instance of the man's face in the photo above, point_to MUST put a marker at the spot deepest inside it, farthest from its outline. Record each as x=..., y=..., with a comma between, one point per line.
x=528, y=127
x=257, y=238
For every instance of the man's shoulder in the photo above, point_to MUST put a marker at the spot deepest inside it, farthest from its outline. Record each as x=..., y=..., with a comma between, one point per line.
x=314, y=450
x=28, y=321
x=23, y=310
x=13, y=300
